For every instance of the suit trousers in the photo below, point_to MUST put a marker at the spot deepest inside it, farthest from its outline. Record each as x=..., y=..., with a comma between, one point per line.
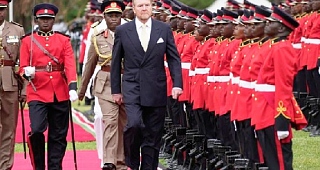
x=144, y=130
x=9, y=108
x=114, y=119
x=277, y=155
x=54, y=117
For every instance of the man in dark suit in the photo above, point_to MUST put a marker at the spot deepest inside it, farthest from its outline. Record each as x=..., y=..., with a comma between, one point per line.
x=140, y=46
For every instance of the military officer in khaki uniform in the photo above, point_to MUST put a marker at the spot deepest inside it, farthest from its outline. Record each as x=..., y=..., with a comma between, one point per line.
x=10, y=34
x=114, y=116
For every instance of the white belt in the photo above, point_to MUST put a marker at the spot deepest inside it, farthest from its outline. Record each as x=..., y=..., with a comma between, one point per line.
x=222, y=79
x=165, y=64
x=303, y=39
x=235, y=80
x=192, y=73
x=265, y=88
x=247, y=84
x=312, y=41
x=297, y=45
x=211, y=79
x=185, y=65
x=201, y=70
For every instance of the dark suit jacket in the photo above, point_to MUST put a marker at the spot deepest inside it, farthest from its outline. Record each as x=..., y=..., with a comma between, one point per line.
x=144, y=78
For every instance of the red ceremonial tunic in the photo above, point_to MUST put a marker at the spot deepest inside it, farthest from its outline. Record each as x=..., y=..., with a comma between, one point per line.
x=246, y=84
x=199, y=82
x=224, y=74
x=312, y=43
x=52, y=83
x=83, y=44
x=187, y=55
x=273, y=90
x=214, y=58
x=305, y=53
x=235, y=67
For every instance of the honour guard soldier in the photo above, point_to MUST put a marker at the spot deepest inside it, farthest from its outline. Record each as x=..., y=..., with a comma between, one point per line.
x=47, y=62
x=114, y=116
x=223, y=70
x=275, y=110
x=10, y=87
x=246, y=85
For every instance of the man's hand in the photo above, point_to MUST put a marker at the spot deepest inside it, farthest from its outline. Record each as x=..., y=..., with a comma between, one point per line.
x=73, y=95
x=80, y=96
x=29, y=71
x=117, y=98
x=282, y=134
x=176, y=92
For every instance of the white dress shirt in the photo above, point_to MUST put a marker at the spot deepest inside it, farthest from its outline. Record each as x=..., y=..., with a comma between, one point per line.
x=148, y=30
x=139, y=28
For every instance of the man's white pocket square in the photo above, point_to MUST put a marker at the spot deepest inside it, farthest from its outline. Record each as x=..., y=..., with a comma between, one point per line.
x=160, y=40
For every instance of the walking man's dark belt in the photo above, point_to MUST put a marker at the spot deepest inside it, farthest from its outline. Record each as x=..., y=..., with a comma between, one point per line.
x=49, y=68
x=107, y=68
x=7, y=63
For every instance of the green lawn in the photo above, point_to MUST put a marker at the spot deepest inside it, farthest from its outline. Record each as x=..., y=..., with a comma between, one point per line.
x=306, y=149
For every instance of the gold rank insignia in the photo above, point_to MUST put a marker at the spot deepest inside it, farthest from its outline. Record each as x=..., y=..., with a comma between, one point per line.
x=113, y=4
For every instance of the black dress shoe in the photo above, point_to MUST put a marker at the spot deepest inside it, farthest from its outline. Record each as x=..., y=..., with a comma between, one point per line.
x=108, y=166
x=315, y=133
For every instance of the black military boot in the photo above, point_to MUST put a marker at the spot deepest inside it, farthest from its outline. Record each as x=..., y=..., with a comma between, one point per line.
x=36, y=146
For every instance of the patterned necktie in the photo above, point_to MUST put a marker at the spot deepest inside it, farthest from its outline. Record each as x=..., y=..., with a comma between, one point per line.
x=144, y=37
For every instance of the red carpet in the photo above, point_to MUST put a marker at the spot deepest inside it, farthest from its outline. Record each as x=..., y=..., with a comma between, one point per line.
x=83, y=129
x=85, y=160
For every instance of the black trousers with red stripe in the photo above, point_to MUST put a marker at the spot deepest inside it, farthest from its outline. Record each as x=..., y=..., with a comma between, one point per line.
x=277, y=155
x=54, y=117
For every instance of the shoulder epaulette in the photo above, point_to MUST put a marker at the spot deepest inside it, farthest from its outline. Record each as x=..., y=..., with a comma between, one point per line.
x=15, y=23
x=27, y=34
x=96, y=24
x=100, y=32
x=62, y=34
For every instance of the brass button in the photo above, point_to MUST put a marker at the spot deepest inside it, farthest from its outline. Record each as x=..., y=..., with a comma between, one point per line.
x=47, y=45
x=50, y=77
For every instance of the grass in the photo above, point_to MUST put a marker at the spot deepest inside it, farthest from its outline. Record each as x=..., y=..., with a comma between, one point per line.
x=306, y=150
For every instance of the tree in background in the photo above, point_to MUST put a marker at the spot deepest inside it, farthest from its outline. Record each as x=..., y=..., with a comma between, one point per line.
x=68, y=9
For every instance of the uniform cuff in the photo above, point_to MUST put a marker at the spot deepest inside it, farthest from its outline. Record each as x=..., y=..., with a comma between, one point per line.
x=73, y=86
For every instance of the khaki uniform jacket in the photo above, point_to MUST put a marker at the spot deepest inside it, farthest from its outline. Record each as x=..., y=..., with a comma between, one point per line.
x=11, y=35
x=99, y=54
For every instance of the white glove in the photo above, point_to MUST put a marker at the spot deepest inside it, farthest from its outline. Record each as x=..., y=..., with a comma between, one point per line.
x=29, y=71
x=282, y=134
x=73, y=95
x=319, y=70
